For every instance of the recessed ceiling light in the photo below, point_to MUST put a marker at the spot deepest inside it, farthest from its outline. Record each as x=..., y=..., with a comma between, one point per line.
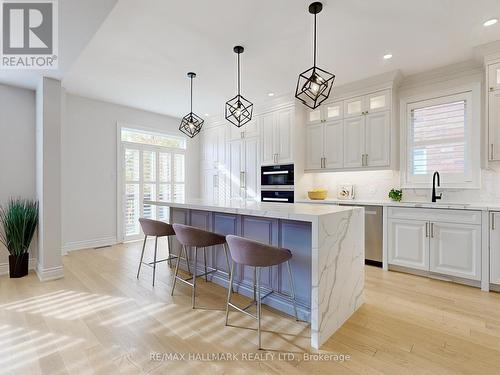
x=490, y=22
x=270, y=94
x=206, y=114
x=387, y=56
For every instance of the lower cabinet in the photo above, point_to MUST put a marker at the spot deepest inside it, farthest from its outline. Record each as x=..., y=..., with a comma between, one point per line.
x=495, y=248
x=442, y=241
x=408, y=243
x=456, y=250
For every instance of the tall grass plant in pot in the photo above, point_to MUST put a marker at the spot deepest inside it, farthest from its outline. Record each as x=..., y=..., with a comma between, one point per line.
x=18, y=221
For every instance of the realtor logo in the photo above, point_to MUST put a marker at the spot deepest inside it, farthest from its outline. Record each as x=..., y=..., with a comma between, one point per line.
x=29, y=34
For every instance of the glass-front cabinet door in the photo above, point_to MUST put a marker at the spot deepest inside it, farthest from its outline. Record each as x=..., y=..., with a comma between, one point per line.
x=333, y=111
x=354, y=106
x=494, y=77
x=379, y=101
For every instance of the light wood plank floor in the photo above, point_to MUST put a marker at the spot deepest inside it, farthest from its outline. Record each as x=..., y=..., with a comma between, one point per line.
x=101, y=319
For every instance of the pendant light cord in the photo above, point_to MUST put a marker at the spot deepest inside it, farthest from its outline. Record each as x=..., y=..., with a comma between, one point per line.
x=191, y=94
x=238, y=74
x=314, y=39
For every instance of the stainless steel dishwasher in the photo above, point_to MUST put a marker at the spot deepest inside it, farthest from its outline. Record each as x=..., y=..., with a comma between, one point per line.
x=373, y=233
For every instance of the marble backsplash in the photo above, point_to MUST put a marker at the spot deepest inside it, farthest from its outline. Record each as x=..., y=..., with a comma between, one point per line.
x=376, y=185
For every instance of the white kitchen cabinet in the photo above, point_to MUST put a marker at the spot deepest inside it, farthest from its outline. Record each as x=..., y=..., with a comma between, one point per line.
x=277, y=137
x=325, y=145
x=212, y=185
x=447, y=242
x=243, y=171
x=494, y=77
x=354, y=142
x=333, y=144
x=326, y=112
x=283, y=138
x=494, y=125
x=377, y=139
x=267, y=139
x=495, y=248
x=314, y=146
x=408, y=243
x=455, y=250
x=378, y=101
x=250, y=129
x=354, y=106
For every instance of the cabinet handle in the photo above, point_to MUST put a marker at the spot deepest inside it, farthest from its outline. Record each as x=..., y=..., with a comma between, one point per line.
x=324, y=162
x=366, y=160
x=241, y=180
x=492, y=151
x=426, y=229
x=216, y=181
x=492, y=88
x=432, y=230
x=362, y=160
x=242, y=135
x=492, y=221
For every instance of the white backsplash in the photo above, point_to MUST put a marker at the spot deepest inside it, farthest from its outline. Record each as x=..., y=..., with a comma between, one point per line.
x=377, y=184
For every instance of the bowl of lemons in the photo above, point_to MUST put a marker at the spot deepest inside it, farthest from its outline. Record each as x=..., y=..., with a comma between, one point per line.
x=317, y=194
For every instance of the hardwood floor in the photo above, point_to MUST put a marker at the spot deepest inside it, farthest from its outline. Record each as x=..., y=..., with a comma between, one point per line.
x=101, y=319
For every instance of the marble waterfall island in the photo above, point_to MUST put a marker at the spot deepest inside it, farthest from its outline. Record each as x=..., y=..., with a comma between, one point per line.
x=327, y=243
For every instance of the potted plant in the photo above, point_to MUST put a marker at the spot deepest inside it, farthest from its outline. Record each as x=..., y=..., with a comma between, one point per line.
x=396, y=195
x=18, y=221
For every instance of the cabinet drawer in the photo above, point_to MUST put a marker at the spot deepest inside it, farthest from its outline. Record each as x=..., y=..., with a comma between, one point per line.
x=436, y=215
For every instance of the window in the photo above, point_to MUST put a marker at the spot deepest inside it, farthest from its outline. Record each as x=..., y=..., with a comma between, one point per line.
x=442, y=134
x=153, y=169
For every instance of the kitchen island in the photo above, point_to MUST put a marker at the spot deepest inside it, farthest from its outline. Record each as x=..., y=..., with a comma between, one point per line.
x=327, y=244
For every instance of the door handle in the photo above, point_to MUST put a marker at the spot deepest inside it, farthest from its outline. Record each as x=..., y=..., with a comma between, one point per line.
x=324, y=162
x=366, y=160
x=426, y=229
x=492, y=151
x=242, y=186
x=432, y=230
x=492, y=221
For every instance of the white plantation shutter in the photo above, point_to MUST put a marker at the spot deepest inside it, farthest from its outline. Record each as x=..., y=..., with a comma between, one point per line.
x=153, y=169
x=439, y=139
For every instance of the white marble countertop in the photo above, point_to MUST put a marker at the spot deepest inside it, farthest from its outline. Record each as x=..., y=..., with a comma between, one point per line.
x=292, y=211
x=494, y=206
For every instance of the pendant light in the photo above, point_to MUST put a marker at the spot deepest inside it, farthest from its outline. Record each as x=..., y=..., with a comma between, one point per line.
x=314, y=85
x=191, y=124
x=238, y=109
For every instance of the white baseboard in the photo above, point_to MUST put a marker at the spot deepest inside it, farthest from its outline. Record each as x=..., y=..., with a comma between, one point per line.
x=88, y=244
x=46, y=274
x=4, y=267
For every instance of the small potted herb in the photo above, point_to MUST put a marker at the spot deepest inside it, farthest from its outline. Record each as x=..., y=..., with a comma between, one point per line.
x=396, y=195
x=18, y=221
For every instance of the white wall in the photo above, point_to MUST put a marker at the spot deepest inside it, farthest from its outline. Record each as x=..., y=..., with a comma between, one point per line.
x=17, y=149
x=89, y=166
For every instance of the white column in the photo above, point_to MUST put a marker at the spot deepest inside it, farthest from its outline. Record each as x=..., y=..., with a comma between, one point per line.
x=48, y=178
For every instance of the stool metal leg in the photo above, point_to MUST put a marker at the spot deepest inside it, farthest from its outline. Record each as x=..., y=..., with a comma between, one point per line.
x=254, y=284
x=259, y=307
x=142, y=255
x=176, y=270
x=187, y=259
x=154, y=264
x=169, y=247
x=292, y=286
x=205, y=261
x=194, y=274
x=229, y=270
x=229, y=291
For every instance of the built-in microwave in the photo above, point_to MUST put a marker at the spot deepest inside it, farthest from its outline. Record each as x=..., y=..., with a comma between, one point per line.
x=277, y=176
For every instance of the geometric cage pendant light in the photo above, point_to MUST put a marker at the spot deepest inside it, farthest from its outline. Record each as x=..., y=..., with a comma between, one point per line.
x=191, y=124
x=238, y=109
x=314, y=85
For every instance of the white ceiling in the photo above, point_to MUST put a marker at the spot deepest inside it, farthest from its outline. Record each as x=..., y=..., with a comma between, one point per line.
x=143, y=50
x=78, y=21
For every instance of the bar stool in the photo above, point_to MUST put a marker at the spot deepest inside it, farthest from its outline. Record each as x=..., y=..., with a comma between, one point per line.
x=256, y=254
x=197, y=238
x=157, y=229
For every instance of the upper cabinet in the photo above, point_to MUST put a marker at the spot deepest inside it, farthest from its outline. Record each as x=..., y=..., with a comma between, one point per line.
x=355, y=133
x=326, y=112
x=493, y=72
x=493, y=109
x=277, y=137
